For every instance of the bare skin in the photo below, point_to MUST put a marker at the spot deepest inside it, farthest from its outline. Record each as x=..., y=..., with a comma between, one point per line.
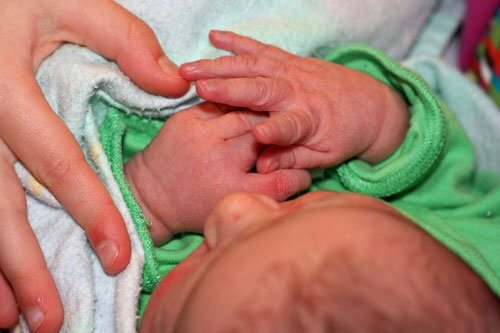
x=324, y=262
x=307, y=120
x=201, y=155
x=321, y=113
x=30, y=30
x=321, y=263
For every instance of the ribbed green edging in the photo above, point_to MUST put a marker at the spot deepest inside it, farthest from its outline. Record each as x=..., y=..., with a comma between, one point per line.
x=111, y=133
x=423, y=144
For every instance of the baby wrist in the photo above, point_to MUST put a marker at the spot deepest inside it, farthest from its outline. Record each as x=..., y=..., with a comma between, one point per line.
x=143, y=187
x=393, y=127
x=423, y=144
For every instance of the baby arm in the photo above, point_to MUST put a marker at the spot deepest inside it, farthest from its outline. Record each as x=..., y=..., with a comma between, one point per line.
x=201, y=155
x=322, y=113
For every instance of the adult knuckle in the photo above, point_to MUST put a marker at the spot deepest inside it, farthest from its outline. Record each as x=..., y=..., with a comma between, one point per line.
x=250, y=63
x=283, y=184
x=261, y=92
x=12, y=207
x=263, y=48
x=59, y=171
x=28, y=277
x=137, y=29
x=281, y=89
x=280, y=68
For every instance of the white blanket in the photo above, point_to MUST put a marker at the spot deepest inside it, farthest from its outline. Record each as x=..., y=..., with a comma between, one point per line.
x=74, y=76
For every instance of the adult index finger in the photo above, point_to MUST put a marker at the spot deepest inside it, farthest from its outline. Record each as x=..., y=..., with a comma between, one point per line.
x=48, y=149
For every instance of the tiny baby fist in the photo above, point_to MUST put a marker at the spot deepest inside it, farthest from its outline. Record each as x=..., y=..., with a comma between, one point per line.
x=321, y=113
x=201, y=155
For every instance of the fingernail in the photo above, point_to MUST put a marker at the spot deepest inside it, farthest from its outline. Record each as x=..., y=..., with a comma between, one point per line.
x=108, y=253
x=210, y=234
x=169, y=67
x=35, y=318
x=273, y=166
x=208, y=86
x=218, y=32
x=189, y=67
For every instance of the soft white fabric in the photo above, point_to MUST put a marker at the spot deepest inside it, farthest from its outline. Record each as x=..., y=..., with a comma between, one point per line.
x=76, y=81
x=475, y=111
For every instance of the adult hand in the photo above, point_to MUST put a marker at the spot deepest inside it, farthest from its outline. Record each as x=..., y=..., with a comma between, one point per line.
x=30, y=30
x=321, y=113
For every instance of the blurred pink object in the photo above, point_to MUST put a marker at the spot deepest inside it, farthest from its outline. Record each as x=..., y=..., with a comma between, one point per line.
x=477, y=17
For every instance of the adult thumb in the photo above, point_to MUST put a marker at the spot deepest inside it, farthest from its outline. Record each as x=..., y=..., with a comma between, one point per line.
x=110, y=30
x=284, y=128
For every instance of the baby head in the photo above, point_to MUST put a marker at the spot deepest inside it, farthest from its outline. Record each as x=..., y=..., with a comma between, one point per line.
x=324, y=262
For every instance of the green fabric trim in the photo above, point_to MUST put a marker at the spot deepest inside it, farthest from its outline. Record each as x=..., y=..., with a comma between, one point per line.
x=443, y=192
x=122, y=136
x=431, y=178
x=424, y=142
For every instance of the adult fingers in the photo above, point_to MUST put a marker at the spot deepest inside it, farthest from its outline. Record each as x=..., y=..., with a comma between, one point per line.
x=9, y=313
x=231, y=67
x=280, y=184
x=47, y=148
x=207, y=110
x=291, y=157
x=244, y=151
x=111, y=30
x=21, y=259
x=284, y=129
x=238, y=44
x=258, y=94
x=236, y=123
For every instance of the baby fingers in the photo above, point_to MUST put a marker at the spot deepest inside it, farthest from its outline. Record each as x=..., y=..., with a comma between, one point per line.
x=293, y=157
x=258, y=94
x=285, y=128
x=237, y=123
x=233, y=66
x=238, y=44
x=280, y=184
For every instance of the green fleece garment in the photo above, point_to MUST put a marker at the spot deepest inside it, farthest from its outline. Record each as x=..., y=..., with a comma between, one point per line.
x=431, y=178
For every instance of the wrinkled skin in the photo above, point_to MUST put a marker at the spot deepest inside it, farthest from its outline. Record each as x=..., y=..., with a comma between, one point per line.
x=321, y=113
x=201, y=155
x=30, y=30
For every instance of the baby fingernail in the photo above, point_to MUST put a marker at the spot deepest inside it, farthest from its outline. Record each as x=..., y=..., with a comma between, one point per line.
x=210, y=234
x=169, y=67
x=35, y=318
x=218, y=33
x=108, y=253
x=189, y=67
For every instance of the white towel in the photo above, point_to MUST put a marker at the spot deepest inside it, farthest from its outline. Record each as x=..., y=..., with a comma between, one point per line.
x=75, y=79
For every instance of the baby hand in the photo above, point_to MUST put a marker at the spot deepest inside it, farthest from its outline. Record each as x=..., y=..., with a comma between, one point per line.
x=201, y=155
x=321, y=113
